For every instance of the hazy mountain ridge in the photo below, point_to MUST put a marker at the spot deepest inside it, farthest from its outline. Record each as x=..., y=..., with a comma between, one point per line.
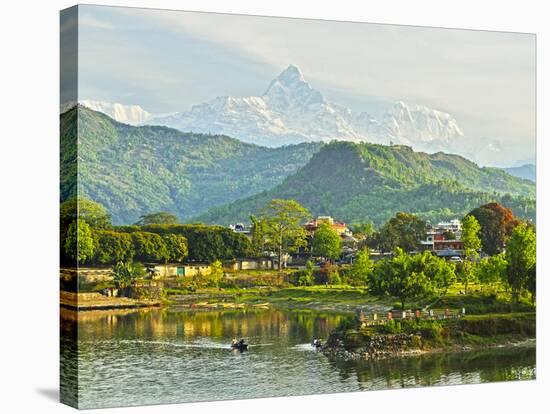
x=526, y=171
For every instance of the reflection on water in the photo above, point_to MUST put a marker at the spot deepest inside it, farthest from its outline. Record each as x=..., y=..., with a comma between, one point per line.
x=163, y=356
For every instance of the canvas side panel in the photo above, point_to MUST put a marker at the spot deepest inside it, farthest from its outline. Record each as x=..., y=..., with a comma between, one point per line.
x=68, y=127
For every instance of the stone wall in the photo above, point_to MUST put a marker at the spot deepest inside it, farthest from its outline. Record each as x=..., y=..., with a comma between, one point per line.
x=87, y=274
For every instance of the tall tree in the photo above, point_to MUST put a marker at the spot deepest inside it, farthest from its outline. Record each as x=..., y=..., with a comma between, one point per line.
x=362, y=267
x=283, y=226
x=257, y=235
x=216, y=274
x=521, y=251
x=79, y=242
x=94, y=214
x=80, y=208
x=326, y=242
x=157, y=218
x=404, y=231
x=472, y=244
x=497, y=223
x=492, y=269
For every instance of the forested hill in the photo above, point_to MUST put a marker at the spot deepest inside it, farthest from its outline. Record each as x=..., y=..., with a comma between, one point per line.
x=359, y=182
x=138, y=170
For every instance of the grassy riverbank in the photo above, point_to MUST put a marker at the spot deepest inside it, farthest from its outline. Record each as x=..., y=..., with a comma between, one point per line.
x=330, y=298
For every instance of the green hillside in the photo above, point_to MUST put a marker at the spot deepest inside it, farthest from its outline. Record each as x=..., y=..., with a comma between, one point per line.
x=138, y=170
x=358, y=182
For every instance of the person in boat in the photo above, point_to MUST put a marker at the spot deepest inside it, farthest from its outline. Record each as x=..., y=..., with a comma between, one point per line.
x=240, y=344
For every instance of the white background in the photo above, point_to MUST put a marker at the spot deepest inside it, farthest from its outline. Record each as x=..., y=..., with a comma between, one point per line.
x=29, y=204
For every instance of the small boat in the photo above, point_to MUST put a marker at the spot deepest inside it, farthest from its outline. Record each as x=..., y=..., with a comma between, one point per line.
x=239, y=345
x=316, y=343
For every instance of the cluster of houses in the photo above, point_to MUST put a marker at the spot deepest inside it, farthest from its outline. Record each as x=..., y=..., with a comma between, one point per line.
x=444, y=239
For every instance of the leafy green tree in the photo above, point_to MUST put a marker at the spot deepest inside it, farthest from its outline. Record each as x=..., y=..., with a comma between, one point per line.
x=79, y=242
x=326, y=242
x=363, y=229
x=492, y=269
x=149, y=247
x=440, y=272
x=216, y=274
x=157, y=218
x=472, y=244
x=176, y=247
x=404, y=231
x=306, y=278
x=362, y=267
x=257, y=235
x=88, y=211
x=521, y=251
x=497, y=223
x=283, y=226
x=125, y=273
x=470, y=233
x=113, y=247
x=205, y=243
x=92, y=213
x=396, y=277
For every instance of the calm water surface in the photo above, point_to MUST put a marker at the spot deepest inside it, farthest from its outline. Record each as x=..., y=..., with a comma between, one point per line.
x=168, y=355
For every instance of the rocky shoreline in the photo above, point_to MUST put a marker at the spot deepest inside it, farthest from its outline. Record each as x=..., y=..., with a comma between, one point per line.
x=476, y=332
x=339, y=351
x=379, y=346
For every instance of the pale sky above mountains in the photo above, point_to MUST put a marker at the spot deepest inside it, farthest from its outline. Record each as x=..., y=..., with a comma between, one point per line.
x=167, y=61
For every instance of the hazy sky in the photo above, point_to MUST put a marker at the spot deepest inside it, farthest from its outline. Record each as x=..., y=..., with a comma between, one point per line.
x=168, y=61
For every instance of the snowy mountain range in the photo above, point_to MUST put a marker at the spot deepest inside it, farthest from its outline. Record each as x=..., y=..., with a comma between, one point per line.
x=290, y=111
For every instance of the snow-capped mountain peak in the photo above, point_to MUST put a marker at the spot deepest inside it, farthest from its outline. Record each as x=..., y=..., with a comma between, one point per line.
x=290, y=90
x=291, y=75
x=128, y=114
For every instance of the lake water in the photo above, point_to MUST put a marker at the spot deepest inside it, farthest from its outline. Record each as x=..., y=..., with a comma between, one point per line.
x=169, y=355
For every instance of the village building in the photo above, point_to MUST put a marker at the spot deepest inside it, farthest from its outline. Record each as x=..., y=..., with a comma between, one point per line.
x=251, y=263
x=340, y=227
x=163, y=271
x=444, y=239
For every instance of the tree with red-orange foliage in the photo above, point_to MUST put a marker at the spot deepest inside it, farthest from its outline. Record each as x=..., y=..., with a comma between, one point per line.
x=497, y=223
